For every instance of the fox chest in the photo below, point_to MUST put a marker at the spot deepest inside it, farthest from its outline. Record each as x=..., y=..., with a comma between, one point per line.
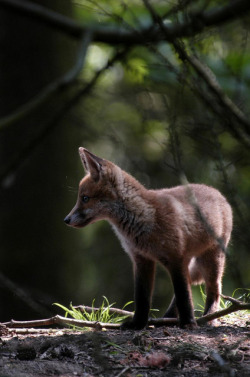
x=126, y=242
x=134, y=245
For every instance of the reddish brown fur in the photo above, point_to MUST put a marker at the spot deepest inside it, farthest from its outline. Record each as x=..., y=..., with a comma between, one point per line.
x=186, y=228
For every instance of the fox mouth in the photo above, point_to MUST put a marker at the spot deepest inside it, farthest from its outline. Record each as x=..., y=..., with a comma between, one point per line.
x=79, y=222
x=82, y=224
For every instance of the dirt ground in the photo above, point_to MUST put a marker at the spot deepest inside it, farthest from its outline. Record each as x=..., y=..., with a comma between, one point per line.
x=165, y=351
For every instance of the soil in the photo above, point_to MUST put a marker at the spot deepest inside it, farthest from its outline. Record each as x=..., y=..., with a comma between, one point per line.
x=166, y=351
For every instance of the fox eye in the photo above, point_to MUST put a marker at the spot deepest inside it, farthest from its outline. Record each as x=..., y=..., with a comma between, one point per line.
x=85, y=199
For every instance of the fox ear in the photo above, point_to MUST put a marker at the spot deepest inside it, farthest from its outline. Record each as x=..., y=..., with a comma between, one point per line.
x=91, y=163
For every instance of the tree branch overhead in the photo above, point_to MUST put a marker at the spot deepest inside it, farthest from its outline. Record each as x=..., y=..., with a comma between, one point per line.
x=196, y=23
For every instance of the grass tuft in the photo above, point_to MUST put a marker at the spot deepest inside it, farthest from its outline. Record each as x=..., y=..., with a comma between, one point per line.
x=241, y=294
x=103, y=314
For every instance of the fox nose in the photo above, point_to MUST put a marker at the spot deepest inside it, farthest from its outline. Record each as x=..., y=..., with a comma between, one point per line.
x=67, y=219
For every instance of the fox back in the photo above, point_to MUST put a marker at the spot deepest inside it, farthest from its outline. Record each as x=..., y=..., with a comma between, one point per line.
x=185, y=228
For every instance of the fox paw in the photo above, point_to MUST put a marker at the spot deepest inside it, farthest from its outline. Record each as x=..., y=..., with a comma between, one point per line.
x=189, y=326
x=214, y=323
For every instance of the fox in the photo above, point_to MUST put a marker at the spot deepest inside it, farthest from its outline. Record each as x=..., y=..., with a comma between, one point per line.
x=185, y=228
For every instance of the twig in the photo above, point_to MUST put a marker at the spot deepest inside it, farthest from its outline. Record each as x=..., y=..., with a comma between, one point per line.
x=123, y=371
x=84, y=91
x=23, y=331
x=59, y=320
x=155, y=17
x=90, y=309
x=236, y=305
x=15, y=289
x=209, y=78
x=234, y=301
x=234, y=119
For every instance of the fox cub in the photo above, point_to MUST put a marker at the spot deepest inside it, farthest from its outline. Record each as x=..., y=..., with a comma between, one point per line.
x=185, y=228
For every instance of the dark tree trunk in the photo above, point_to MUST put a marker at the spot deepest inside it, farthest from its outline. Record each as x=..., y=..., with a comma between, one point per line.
x=33, y=164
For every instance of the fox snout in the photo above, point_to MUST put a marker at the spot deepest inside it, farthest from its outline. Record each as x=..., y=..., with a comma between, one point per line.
x=79, y=218
x=72, y=220
x=76, y=220
x=67, y=220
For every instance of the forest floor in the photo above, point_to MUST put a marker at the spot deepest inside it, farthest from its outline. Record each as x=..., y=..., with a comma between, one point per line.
x=166, y=351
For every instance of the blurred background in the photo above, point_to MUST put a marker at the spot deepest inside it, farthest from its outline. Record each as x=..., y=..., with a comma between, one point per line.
x=160, y=103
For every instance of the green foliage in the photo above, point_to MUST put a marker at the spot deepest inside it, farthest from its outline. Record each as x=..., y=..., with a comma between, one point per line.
x=137, y=69
x=101, y=315
x=241, y=294
x=128, y=13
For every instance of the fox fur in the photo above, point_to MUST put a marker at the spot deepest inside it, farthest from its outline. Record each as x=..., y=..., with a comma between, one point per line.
x=185, y=228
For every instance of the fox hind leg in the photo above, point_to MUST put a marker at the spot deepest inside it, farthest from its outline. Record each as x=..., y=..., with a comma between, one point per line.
x=211, y=265
x=209, y=269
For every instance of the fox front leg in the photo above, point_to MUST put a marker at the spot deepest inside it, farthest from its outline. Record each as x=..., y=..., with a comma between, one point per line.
x=183, y=296
x=144, y=273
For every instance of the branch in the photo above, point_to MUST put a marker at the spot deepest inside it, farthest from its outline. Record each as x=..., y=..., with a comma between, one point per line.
x=85, y=90
x=207, y=75
x=50, y=89
x=152, y=34
x=44, y=15
x=24, y=155
x=203, y=71
x=59, y=320
x=196, y=23
x=233, y=300
x=236, y=305
x=90, y=309
x=16, y=290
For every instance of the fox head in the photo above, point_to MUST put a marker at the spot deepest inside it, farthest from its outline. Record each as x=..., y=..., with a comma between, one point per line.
x=97, y=190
